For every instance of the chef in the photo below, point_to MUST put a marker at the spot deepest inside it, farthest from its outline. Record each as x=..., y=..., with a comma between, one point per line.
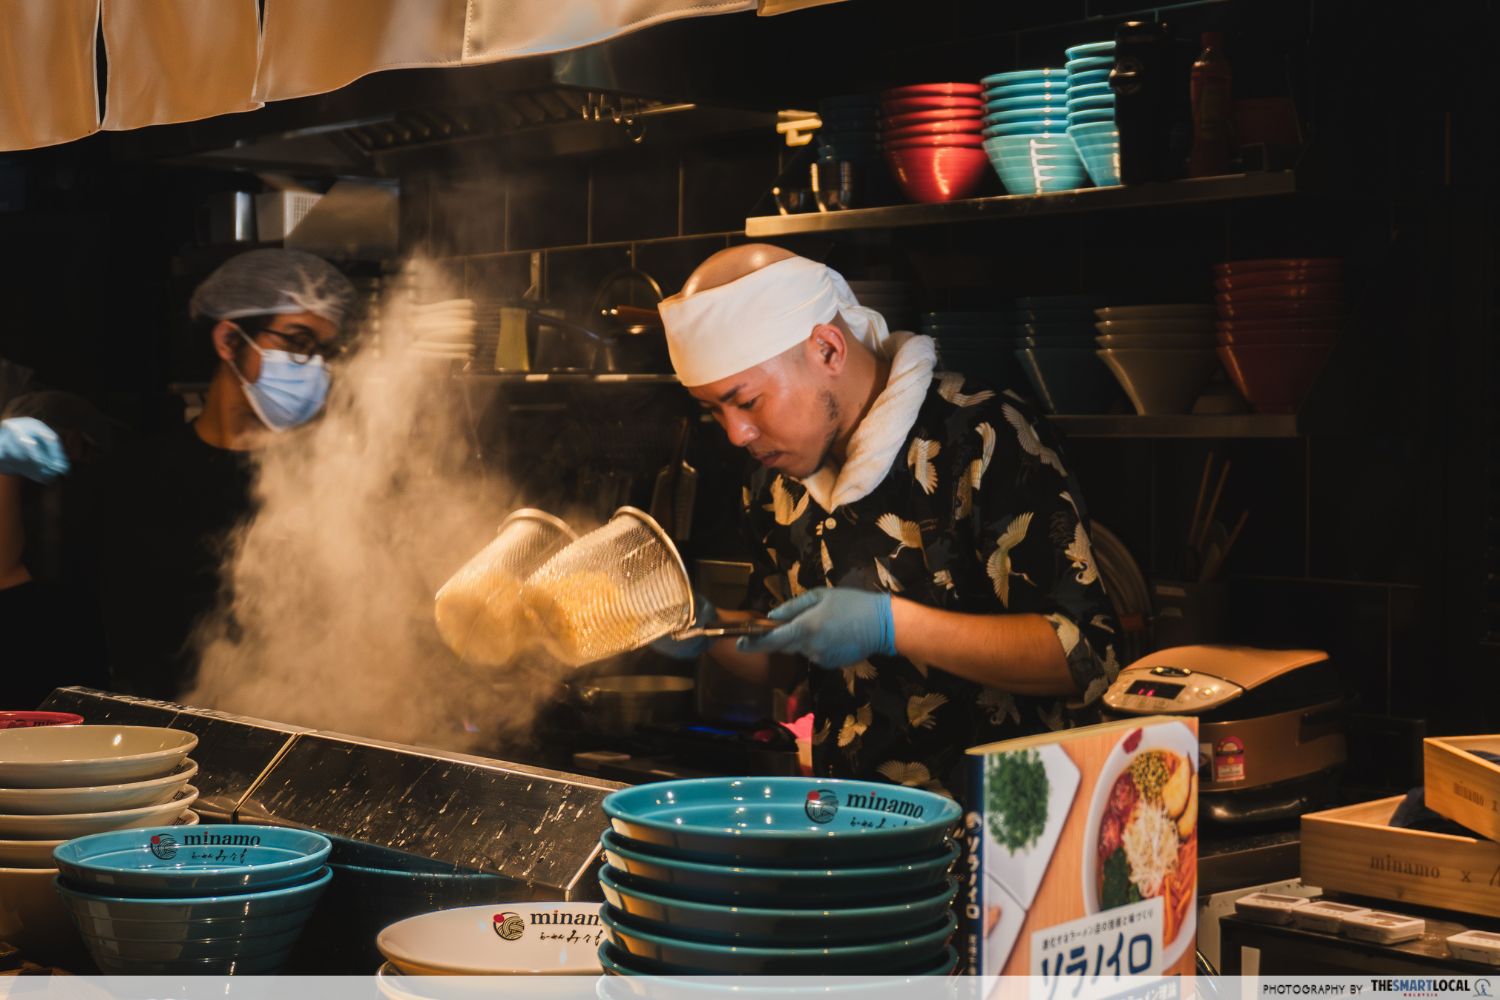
x=164, y=509
x=917, y=535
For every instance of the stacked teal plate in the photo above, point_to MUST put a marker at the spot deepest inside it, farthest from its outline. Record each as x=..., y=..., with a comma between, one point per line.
x=203, y=900
x=1091, y=110
x=778, y=876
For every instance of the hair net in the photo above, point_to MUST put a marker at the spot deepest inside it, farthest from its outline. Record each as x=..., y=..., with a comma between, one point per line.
x=274, y=281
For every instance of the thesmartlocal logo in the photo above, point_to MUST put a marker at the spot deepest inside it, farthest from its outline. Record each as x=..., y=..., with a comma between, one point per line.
x=165, y=845
x=1432, y=987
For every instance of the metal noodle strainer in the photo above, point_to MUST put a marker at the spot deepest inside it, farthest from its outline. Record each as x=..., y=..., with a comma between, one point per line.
x=480, y=611
x=617, y=588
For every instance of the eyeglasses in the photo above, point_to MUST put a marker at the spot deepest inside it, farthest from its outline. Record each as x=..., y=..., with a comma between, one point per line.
x=304, y=347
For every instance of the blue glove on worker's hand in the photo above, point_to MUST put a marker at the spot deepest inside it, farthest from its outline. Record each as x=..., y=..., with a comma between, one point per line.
x=30, y=448
x=705, y=614
x=833, y=627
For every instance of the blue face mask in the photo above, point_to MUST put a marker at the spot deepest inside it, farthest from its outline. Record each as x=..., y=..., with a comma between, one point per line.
x=288, y=393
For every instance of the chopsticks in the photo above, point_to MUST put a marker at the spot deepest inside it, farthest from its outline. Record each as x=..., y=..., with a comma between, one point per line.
x=1205, y=561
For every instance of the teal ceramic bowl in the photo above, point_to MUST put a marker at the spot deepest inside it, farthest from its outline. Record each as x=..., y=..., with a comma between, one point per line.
x=902, y=949
x=1028, y=102
x=771, y=927
x=1104, y=101
x=627, y=977
x=195, y=930
x=1090, y=49
x=1017, y=76
x=1093, y=132
x=844, y=885
x=1090, y=90
x=1088, y=63
x=782, y=820
x=245, y=965
x=207, y=860
x=1057, y=128
x=225, y=949
x=1046, y=89
x=1085, y=77
x=1105, y=115
x=269, y=902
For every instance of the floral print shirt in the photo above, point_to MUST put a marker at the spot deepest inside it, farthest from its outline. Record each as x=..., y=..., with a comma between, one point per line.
x=977, y=515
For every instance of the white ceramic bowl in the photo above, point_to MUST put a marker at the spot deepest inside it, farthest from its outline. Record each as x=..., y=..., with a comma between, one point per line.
x=103, y=798
x=1133, y=327
x=71, y=825
x=499, y=939
x=32, y=915
x=1157, y=341
x=78, y=756
x=1161, y=382
x=1184, y=310
x=38, y=853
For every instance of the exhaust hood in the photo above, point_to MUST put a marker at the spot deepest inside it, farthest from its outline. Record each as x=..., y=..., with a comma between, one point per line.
x=638, y=88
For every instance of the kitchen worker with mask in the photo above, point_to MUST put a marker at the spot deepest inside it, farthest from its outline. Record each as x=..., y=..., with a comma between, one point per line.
x=163, y=511
x=918, y=535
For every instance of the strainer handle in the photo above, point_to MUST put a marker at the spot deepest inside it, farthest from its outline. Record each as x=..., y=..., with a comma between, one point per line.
x=753, y=626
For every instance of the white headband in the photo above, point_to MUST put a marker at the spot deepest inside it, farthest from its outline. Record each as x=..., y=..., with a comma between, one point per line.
x=722, y=331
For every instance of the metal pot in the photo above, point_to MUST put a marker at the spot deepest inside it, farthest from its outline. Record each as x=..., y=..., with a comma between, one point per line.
x=615, y=706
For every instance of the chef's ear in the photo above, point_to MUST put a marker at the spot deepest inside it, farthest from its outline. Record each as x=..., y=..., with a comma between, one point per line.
x=227, y=340
x=828, y=348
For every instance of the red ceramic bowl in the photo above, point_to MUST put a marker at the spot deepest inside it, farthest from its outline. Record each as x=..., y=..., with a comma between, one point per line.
x=1275, y=264
x=922, y=117
x=29, y=720
x=933, y=90
x=930, y=141
x=1293, y=332
x=1280, y=293
x=938, y=173
x=958, y=126
x=1275, y=378
x=1278, y=309
x=909, y=104
x=1278, y=276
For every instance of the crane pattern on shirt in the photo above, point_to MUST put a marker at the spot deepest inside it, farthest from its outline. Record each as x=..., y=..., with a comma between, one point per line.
x=978, y=514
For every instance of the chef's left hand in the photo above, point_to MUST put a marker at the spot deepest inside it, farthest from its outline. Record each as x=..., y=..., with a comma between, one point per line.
x=831, y=626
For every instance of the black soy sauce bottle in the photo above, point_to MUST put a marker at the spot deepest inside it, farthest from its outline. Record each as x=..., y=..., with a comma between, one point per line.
x=1148, y=98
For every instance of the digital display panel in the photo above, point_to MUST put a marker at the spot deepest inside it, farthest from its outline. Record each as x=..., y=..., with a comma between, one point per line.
x=1155, y=689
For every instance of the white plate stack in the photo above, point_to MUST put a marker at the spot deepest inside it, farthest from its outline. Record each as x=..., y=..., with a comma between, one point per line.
x=62, y=782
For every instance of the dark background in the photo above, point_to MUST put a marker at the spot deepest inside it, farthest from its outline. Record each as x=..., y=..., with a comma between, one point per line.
x=1373, y=534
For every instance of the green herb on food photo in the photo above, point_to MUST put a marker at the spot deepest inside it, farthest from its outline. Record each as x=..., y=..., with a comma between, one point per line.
x=1016, y=796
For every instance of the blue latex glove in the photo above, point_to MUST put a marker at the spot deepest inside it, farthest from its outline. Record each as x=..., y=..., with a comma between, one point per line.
x=690, y=649
x=30, y=448
x=833, y=627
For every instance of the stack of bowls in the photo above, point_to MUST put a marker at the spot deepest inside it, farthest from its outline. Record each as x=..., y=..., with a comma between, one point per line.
x=1091, y=110
x=214, y=900
x=65, y=781
x=778, y=876
x=895, y=300
x=1163, y=355
x=1055, y=347
x=850, y=131
x=1025, y=131
x=931, y=136
x=497, y=939
x=977, y=344
x=1278, y=320
x=31, y=720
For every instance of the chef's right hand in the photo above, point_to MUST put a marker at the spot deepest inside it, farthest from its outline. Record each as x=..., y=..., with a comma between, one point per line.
x=705, y=614
x=30, y=448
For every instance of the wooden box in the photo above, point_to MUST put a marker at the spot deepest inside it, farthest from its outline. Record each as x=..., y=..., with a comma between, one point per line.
x=1461, y=786
x=1353, y=849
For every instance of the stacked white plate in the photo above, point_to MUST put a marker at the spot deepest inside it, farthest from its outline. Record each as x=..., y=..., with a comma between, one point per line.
x=62, y=782
x=1163, y=355
x=444, y=331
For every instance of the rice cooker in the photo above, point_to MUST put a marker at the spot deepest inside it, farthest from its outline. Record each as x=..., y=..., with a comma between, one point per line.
x=1270, y=724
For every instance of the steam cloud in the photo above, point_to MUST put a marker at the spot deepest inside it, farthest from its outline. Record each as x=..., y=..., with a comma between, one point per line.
x=362, y=516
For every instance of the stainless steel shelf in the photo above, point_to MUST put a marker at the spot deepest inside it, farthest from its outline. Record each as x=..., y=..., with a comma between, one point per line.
x=1237, y=425
x=1229, y=187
